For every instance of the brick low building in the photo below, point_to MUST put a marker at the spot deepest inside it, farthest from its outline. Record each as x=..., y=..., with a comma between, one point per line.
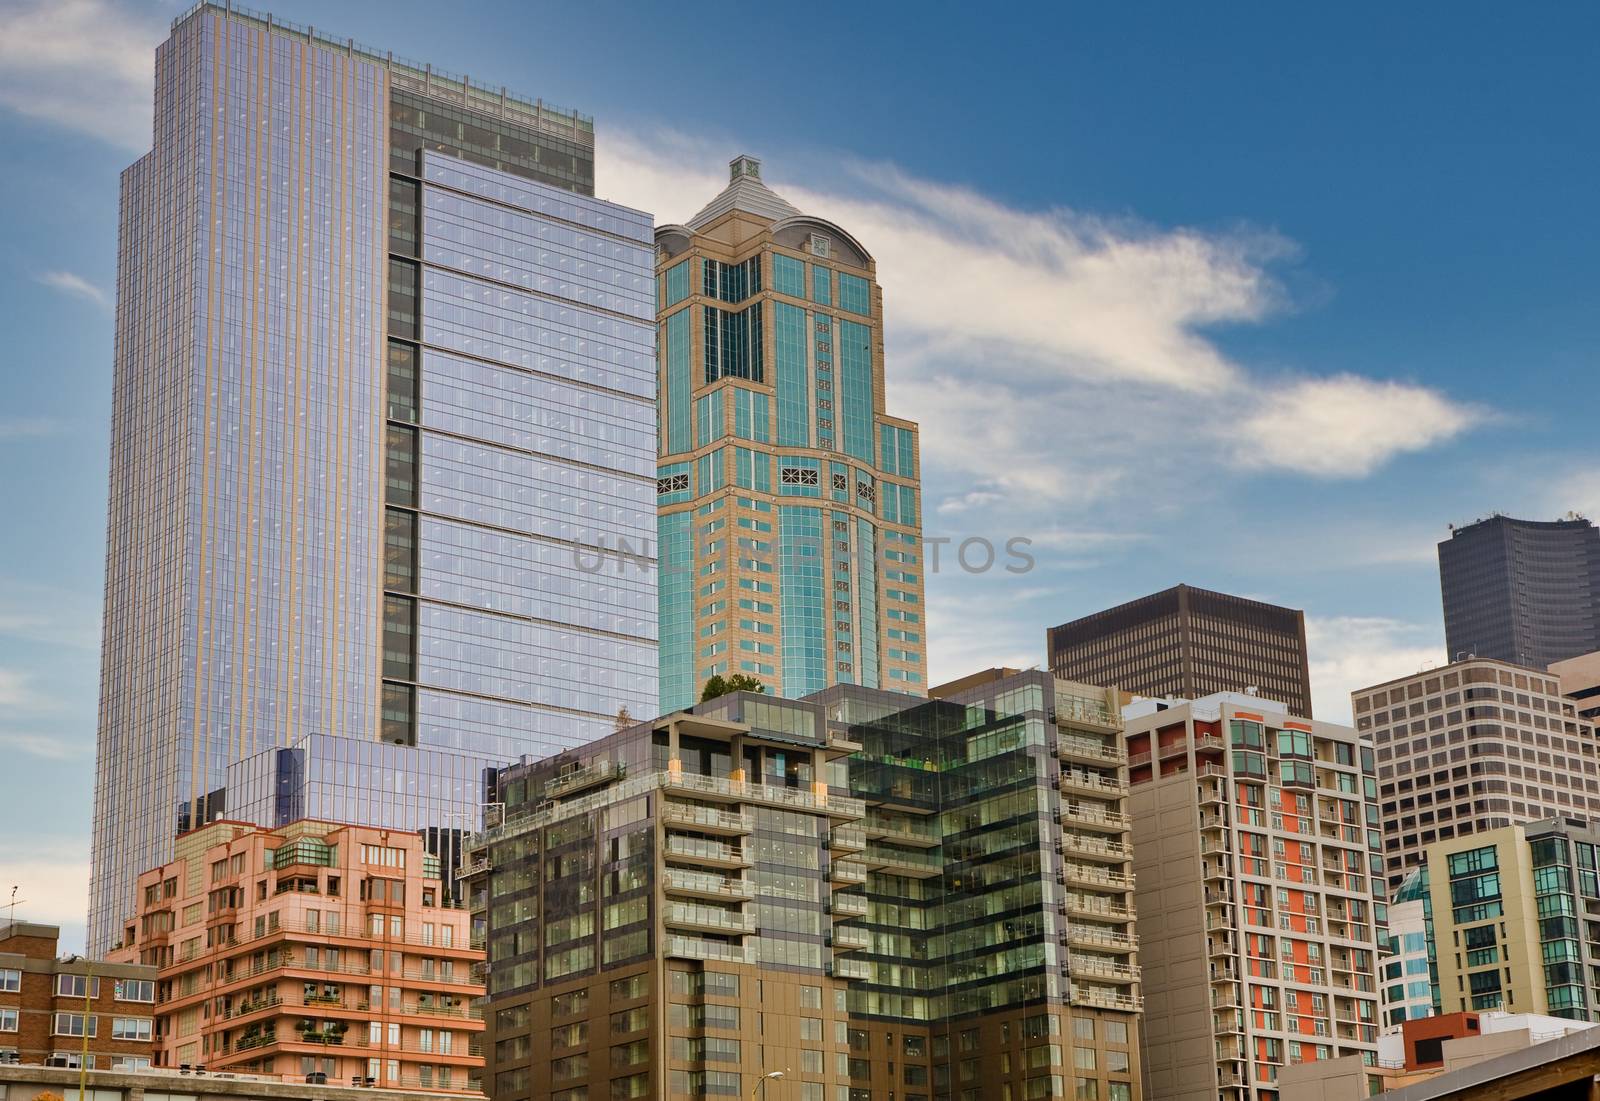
x=316, y=951
x=42, y=1010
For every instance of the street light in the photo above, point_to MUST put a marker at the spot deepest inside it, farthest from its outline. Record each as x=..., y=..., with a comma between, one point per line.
x=762, y=1081
x=83, y=1056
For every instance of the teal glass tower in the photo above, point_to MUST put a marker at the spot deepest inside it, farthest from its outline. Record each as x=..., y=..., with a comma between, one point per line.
x=788, y=498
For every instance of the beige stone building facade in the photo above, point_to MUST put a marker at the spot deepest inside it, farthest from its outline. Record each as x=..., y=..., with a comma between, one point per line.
x=1472, y=746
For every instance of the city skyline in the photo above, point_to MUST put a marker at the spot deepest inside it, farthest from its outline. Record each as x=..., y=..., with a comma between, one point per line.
x=1367, y=581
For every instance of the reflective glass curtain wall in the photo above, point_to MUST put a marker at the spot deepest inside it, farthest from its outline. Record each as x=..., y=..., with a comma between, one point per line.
x=242, y=539
x=382, y=447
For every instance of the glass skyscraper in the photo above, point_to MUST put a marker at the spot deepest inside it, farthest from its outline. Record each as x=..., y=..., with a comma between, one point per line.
x=385, y=379
x=790, y=522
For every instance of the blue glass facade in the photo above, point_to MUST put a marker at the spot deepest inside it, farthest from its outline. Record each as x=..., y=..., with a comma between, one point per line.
x=384, y=381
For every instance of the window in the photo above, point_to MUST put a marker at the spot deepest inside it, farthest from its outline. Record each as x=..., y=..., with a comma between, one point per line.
x=8, y=1020
x=10, y=980
x=72, y=986
x=130, y=1028
x=71, y=1024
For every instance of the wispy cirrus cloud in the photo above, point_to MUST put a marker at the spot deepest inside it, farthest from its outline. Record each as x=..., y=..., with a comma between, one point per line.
x=76, y=286
x=82, y=64
x=49, y=747
x=17, y=691
x=28, y=428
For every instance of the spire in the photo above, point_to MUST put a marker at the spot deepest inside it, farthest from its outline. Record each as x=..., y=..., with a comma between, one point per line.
x=745, y=192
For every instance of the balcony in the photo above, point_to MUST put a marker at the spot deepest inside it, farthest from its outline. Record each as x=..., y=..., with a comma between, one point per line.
x=1098, y=877
x=841, y=742
x=680, y=881
x=1095, y=967
x=1225, y=996
x=846, y=968
x=1090, y=751
x=1209, y=743
x=1092, y=816
x=1093, y=936
x=1087, y=711
x=262, y=1039
x=849, y=938
x=1103, y=999
x=694, y=948
x=600, y=772
x=849, y=906
x=903, y=832
x=1093, y=783
x=849, y=839
x=713, y=853
x=708, y=919
x=915, y=864
x=1077, y=844
x=1091, y=905
x=705, y=819
x=846, y=873
x=717, y=787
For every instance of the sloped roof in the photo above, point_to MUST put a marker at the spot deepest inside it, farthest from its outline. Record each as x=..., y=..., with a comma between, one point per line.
x=745, y=192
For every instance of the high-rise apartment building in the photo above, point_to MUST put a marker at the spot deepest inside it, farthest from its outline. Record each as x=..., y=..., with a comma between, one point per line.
x=693, y=903
x=1526, y=591
x=312, y=953
x=1579, y=681
x=1260, y=893
x=1474, y=746
x=49, y=1004
x=1515, y=919
x=384, y=374
x=790, y=523
x=1185, y=643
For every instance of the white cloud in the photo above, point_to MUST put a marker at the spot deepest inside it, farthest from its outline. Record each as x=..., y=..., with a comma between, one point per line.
x=1351, y=652
x=50, y=747
x=17, y=428
x=51, y=875
x=1346, y=426
x=50, y=614
x=76, y=286
x=15, y=691
x=1014, y=332
x=82, y=64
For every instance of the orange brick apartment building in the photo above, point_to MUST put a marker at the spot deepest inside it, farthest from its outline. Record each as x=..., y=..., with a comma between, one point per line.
x=315, y=952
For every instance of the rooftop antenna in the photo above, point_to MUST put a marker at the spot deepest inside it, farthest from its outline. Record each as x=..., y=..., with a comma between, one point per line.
x=11, y=916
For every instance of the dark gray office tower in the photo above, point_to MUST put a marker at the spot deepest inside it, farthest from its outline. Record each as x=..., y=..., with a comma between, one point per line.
x=1187, y=643
x=1524, y=591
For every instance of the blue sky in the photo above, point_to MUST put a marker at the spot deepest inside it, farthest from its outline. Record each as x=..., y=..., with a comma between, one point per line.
x=1258, y=297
